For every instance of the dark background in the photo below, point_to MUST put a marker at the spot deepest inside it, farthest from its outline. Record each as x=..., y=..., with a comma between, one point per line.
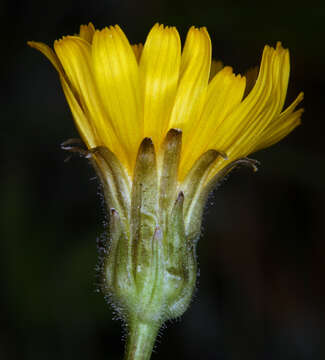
x=261, y=286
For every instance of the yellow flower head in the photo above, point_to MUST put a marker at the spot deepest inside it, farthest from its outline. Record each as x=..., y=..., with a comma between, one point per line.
x=119, y=94
x=162, y=125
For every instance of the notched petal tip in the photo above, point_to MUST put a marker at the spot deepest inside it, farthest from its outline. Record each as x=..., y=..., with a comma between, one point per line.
x=279, y=46
x=87, y=31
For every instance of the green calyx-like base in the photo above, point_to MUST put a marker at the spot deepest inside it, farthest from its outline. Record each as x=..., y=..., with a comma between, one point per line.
x=150, y=270
x=149, y=266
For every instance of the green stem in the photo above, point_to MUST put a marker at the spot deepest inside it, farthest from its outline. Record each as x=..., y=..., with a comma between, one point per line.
x=141, y=339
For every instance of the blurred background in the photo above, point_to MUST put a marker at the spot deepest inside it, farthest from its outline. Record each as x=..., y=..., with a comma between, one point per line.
x=260, y=290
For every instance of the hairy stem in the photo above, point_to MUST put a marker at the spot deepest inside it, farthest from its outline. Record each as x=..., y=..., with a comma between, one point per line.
x=141, y=339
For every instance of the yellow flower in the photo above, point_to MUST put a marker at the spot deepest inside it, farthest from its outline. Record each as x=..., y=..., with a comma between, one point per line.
x=119, y=94
x=162, y=126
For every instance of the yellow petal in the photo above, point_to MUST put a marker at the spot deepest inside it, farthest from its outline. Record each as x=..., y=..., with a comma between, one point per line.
x=194, y=77
x=119, y=94
x=85, y=127
x=238, y=133
x=159, y=73
x=291, y=122
x=87, y=32
x=280, y=77
x=241, y=130
x=75, y=56
x=49, y=53
x=117, y=76
x=281, y=126
x=225, y=92
x=282, y=72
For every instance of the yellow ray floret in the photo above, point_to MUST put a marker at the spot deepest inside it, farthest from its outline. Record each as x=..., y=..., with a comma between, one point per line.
x=121, y=93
